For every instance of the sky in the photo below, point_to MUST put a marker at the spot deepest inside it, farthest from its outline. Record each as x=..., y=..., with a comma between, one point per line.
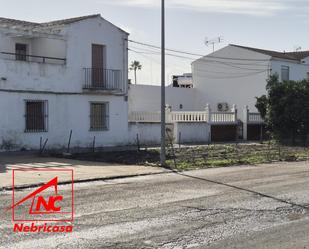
x=280, y=25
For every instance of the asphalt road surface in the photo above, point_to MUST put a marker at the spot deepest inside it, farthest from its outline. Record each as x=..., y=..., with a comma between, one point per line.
x=238, y=207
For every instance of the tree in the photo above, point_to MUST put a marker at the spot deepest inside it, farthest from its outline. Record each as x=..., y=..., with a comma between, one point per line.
x=135, y=65
x=285, y=109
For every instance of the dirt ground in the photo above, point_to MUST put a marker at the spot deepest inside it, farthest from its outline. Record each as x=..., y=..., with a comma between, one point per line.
x=205, y=156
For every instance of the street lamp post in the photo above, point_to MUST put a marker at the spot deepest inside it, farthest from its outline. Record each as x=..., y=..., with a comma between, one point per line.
x=163, y=154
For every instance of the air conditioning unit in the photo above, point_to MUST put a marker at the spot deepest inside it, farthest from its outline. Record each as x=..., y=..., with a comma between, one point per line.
x=223, y=107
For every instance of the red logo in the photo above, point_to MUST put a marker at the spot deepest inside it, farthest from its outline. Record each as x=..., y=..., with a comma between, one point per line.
x=45, y=204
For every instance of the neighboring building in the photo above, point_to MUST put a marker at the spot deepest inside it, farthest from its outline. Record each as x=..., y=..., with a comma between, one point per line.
x=61, y=76
x=183, y=81
x=237, y=74
x=220, y=104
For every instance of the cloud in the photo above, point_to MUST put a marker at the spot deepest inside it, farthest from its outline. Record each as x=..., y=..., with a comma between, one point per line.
x=247, y=7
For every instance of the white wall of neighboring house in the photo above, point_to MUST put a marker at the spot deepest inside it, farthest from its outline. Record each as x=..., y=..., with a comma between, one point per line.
x=148, y=98
x=236, y=75
x=231, y=81
x=62, y=86
x=298, y=71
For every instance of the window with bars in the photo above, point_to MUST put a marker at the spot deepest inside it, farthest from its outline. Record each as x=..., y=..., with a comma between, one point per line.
x=21, y=51
x=99, y=116
x=285, y=73
x=36, y=115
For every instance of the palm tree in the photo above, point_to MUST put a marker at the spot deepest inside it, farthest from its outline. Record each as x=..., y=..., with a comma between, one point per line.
x=135, y=65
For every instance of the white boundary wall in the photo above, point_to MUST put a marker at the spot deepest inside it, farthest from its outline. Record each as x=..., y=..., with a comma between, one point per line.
x=147, y=98
x=192, y=132
x=148, y=133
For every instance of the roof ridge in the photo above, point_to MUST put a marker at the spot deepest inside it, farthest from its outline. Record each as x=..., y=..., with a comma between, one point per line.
x=235, y=45
x=69, y=20
x=299, y=55
x=44, y=24
x=18, y=21
x=51, y=24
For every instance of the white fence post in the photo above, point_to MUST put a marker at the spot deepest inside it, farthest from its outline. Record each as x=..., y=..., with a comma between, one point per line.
x=168, y=110
x=234, y=109
x=245, y=123
x=208, y=113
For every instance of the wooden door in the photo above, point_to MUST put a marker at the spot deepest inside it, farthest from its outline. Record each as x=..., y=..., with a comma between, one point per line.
x=98, y=65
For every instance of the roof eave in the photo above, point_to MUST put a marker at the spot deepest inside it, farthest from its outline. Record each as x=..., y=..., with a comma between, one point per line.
x=285, y=59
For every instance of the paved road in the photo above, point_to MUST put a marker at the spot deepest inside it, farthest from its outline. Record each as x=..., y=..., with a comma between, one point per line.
x=239, y=207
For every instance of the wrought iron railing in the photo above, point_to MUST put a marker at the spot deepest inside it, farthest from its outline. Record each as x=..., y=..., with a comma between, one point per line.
x=34, y=58
x=103, y=79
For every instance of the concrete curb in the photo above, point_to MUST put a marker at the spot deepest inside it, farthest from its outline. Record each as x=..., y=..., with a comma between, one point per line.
x=21, y=187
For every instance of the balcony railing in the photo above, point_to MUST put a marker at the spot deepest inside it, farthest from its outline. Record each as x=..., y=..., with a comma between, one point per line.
x=103, y=79
x=34, y=58
x=186, y=117
x=254, y=117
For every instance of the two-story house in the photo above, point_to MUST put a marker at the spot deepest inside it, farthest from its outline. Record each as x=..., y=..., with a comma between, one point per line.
x=62, y=76
x=237, y=74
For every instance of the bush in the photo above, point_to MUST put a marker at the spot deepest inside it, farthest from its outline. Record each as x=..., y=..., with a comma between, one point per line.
x=285, y=109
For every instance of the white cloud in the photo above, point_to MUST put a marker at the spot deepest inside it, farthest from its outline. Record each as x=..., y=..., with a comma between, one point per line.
x=248, y=7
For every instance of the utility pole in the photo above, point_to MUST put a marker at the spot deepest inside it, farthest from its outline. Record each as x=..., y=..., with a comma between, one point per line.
x=163, y=154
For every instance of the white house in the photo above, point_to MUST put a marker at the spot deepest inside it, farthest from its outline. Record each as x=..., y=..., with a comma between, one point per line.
x=62, y=76
x=237, y=74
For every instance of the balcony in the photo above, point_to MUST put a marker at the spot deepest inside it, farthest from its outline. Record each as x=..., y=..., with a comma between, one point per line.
x=103, y=79
x=33, y=58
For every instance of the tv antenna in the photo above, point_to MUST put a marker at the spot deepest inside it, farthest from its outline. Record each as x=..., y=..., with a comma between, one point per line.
x=212, y=42
x=297, y=48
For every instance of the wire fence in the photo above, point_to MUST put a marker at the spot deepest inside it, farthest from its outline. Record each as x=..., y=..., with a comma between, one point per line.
x=233, y=154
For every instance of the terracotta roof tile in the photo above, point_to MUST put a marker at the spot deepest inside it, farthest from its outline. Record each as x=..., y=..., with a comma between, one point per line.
x=282, y=55
x=13, y=22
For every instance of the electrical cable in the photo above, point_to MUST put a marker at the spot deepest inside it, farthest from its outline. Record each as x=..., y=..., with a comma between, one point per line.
x=194, y=54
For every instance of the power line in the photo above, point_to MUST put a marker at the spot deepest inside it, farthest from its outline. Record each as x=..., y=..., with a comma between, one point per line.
x=146, y=51
x=157, y=47
x=206, y=60
x=149, y=58
x=194, y=54
x=229, y=64
x=227, y=75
